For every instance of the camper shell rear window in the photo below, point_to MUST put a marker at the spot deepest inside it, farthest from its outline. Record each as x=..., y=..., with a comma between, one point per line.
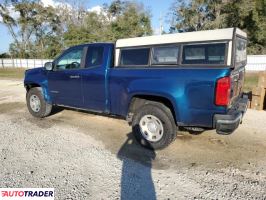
x=240, y=52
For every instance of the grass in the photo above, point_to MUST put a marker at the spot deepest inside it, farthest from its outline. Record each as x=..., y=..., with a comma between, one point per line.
x=13, y=73
x=251, y=78
x=251, y=81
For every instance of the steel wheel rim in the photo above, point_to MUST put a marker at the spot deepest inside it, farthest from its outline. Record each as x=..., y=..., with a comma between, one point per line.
x=151, y=128
x=35, y=103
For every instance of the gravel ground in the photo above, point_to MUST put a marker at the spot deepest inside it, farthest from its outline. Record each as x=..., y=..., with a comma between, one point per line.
x=87, y=156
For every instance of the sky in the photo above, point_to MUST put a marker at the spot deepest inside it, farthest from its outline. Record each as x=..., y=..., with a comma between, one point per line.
x=157, y=8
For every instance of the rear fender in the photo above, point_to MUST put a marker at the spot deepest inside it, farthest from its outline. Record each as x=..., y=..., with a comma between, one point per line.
x=156, y=95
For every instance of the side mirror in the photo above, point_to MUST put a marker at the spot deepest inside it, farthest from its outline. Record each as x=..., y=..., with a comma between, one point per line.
x=48, y=66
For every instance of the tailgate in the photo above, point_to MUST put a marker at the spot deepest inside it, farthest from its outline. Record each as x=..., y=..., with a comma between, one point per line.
x=237, y=83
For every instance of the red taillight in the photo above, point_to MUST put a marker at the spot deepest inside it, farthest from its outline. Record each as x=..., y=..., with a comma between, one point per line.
x=223, y=87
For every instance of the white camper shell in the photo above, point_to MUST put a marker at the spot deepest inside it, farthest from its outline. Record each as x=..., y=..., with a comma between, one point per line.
x=234, y=38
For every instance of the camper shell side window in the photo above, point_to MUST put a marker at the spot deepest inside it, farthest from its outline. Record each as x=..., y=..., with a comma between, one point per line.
x=174, y=55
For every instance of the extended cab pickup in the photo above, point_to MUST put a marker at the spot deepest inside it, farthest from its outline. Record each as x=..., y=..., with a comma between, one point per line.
x=158, y=83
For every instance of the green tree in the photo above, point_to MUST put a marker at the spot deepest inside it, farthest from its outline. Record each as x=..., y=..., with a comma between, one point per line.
x=92, y=30
x=4, y=55
x=120, y=19
x=32, y=29
x=131, y=20
x=248, y=15
x=42, y=32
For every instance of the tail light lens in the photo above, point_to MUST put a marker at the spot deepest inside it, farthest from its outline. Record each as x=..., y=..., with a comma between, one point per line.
x=223, y=87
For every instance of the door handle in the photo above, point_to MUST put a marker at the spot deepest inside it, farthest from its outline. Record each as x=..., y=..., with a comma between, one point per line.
x=75, y=76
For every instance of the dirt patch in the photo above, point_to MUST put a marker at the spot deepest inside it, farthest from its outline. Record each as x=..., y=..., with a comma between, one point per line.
x=44, y=123
x=184, y=137
x=11, y=107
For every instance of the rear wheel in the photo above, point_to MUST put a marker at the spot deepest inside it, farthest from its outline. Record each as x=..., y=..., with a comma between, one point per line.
x=153, y=126
x=36, y=103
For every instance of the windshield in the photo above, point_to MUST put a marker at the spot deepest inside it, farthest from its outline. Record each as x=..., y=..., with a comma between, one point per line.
x=241, y=52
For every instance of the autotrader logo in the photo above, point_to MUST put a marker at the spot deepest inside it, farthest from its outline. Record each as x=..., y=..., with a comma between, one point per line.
x=27, y=193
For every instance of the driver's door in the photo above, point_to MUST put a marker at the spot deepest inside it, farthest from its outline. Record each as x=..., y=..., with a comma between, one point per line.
x=64, y=80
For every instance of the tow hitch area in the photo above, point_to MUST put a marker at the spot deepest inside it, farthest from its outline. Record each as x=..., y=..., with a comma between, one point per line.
x=228, y=123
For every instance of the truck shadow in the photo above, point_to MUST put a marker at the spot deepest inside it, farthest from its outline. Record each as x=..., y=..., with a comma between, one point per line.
x=56, y=109
x=136, y=177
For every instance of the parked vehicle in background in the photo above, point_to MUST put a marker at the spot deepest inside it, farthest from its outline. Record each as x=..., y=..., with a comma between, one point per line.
x=158, y=83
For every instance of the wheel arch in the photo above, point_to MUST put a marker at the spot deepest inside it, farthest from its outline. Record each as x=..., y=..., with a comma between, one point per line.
x=138, y=100
x=29, y=85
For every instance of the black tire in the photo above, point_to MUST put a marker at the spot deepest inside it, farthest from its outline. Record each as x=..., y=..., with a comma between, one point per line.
x=45, y=108
x=164, y=114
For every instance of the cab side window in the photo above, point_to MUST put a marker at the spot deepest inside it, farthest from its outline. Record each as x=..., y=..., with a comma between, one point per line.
x=94, y=56
x=70, y=60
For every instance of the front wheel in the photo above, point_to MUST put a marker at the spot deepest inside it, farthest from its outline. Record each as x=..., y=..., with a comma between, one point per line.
x=36, y=103
x=153, y=126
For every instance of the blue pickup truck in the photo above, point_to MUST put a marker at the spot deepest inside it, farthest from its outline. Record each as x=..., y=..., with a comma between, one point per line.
x=158, y=83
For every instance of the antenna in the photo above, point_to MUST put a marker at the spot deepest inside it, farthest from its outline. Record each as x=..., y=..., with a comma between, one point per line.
x=161, y=23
